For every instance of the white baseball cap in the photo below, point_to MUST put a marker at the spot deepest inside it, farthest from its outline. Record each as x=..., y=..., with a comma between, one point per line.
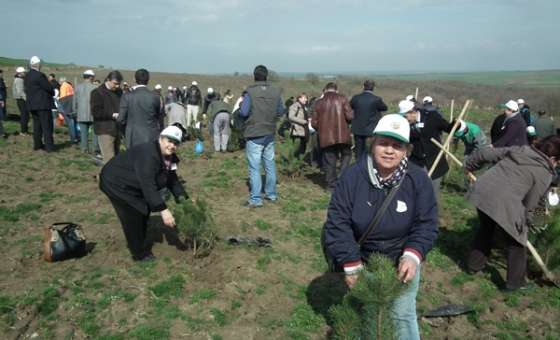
x=184, y=87
x=531, y=131
x=157, y=87
x=462, y=129
x=34, y=60
x=170, y=88
x=394, y=126
x=428, y=99
x=520, y=101
x=172, y=132
x=409, y=97
x=89, y=73
x=20, y=69
x=512, y=105
x=210, y=90
x=194, y=83
x=405, y=106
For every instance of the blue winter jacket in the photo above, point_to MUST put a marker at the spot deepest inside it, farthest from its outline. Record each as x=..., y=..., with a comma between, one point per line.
x=410, y=221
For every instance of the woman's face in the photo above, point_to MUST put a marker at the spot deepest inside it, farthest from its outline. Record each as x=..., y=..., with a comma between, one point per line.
x=168, y=146
x=388, y=153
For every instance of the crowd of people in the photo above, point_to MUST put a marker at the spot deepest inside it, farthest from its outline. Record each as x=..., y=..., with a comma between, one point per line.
x=385, y=202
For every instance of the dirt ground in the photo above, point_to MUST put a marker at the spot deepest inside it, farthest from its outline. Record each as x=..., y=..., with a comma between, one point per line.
x=237, y=292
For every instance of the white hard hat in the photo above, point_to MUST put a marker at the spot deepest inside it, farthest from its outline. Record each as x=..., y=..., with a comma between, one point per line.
x=172, y=132
x=427, y=99
x=210, y=90
x=531, y=131
x=520, y=101
x=170, y=88
x=157, y=87
x=405, y=106
x=20, y=69
x=409, y=97
x=462, y=129
x=394, y=126
x=512, y=105
x=34, y=60
x=184, y=87
x=89, y=73
x=195, y=83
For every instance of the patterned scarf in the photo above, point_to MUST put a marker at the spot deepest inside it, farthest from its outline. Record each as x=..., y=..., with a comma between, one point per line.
x=390, y=182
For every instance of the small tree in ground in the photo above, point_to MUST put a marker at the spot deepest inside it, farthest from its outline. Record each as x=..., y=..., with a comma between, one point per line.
x=195, y=223
x=547, y=240
x=288, y=163
x=365, y=312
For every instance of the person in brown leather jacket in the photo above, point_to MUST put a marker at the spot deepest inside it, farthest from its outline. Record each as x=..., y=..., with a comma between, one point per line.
x=331, y=118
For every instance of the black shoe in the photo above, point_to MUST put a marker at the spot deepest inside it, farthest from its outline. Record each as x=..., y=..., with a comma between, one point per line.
x=144, y=258
x=527, y=287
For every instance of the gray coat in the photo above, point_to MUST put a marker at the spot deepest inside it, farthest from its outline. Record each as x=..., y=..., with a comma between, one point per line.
x=81, y=104
x=18, y=90
x=140, y=113
x=513, y=187
x=296, y=116
x=176, y=114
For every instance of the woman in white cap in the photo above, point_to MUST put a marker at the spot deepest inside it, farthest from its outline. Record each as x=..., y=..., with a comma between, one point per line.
x=513, y=131
x=18, y=90
x=133, y=180
x=408, y=224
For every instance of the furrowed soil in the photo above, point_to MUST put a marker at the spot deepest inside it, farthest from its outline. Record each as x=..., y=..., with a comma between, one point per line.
x=237, y=292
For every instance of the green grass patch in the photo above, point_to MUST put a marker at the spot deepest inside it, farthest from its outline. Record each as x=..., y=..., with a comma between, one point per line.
x=172, y=287
x=218, y=316
x=14, y=214
x=203, y=294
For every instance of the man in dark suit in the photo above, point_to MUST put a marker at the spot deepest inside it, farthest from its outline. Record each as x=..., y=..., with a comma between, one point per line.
x=367, y=109
x=40, y=103
x=140, y=112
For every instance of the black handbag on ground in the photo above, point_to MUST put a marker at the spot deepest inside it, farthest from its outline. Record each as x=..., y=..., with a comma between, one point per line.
x=335, y=267
x=63, y=240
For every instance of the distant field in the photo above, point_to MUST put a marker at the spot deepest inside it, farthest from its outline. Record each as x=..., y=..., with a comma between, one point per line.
x=544, y=79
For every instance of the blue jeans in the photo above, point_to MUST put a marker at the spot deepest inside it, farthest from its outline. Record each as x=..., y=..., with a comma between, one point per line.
x=404, y=311
x=85, y=145
x=255, y=154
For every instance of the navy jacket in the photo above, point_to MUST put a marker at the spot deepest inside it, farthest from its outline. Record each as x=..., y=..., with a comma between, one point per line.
x=39, y=91
x=513, y=133
x=410, y=221
x=367, y=109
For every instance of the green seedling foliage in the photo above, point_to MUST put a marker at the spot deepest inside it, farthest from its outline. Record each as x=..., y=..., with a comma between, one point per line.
x=196, y=224
x=50, y=299
x=288, y=163
x=547, y=242
x=365, y=312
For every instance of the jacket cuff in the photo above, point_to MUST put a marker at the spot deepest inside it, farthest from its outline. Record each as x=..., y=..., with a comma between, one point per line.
x=414, y=254
x=353, y=268
x=159, y=207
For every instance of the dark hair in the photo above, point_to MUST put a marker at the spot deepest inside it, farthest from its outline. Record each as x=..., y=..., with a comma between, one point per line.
x=541, y=113
x=114, y=75
x=52, y=75
x=331, y=86
x=88, y=76
x=550, y=146
x=369, y=85
x=142, y=76
x=260, y=73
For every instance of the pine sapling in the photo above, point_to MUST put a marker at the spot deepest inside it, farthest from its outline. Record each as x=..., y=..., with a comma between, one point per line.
x=365, y=312
x=288, y=163
x=195, y=223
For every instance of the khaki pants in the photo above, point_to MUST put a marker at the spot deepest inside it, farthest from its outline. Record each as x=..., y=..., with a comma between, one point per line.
x=109, y=146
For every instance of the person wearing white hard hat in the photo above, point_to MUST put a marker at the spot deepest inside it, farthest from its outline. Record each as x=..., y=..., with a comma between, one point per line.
x=82, y=107
x=39, y=93
x=513, y=131
x=210, y=97
x=133, y=181
x=193, y=99
x=525, y=111
x=18, y=92
x=431, y=124
x=408, y=224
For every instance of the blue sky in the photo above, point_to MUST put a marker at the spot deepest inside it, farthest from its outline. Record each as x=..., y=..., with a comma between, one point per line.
x=223, y=36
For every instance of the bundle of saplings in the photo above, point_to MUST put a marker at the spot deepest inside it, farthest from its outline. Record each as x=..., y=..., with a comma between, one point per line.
x=195, y=223
x=365, y=312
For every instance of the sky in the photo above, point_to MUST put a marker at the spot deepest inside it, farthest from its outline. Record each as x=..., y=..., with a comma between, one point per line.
x=322, y=36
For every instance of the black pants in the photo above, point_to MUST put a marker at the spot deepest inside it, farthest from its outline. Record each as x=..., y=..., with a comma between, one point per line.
x=43, y=130
x=359, y=145
x=331, y=154
x=135, y=225
x=301, y=146
x=23, y=115
x=482, y=245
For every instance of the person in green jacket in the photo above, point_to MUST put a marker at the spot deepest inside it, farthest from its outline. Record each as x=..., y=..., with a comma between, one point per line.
x=472, y=136
x=544, y=125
